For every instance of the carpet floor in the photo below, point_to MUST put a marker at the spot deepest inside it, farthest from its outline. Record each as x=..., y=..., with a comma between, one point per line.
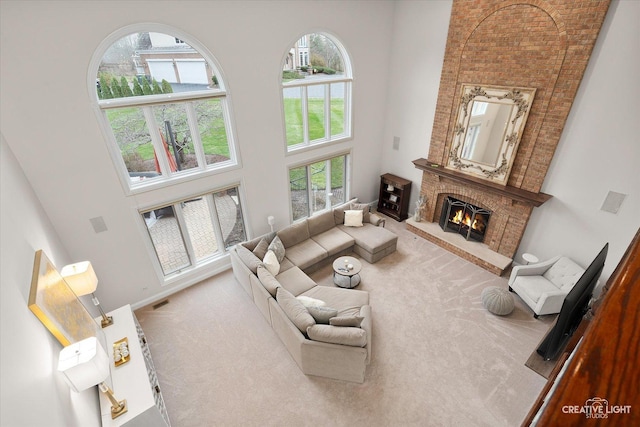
x=438, y=357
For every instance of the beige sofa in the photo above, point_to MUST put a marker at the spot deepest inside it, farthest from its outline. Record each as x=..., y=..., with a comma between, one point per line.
x=338, y=352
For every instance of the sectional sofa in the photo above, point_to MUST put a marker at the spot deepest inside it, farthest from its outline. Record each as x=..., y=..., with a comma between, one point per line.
x=326, y=329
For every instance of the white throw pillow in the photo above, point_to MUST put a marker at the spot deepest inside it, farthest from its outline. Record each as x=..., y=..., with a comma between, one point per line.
x=271, y=262
x=310, y=302
x=353, y=218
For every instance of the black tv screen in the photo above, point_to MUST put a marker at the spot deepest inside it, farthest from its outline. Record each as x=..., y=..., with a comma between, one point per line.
x=574, y=307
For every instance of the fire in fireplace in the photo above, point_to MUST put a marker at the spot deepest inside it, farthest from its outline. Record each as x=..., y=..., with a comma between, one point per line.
x=464, y=218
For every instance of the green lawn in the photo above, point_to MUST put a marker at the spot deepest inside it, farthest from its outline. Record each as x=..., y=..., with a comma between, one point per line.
x=293, y=119
x=130, y=129
x=129, y=126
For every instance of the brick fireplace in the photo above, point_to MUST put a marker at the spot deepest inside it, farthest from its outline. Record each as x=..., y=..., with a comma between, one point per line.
x=535, y=44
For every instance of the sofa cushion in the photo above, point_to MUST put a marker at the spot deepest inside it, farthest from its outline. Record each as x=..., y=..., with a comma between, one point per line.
x=355, y=337
x=320, y=223
x=277, y=247
x=270, y=261
x=261, y=249
x=371, y=238
x=353, y=218
x=364, y=207
x=533, y=286
x=294, y=234
x=347, y=301
x=306, y=253
x=352, y=321
x=322, y=314
x=248, y=258
x=338, y=211
x=269, y=282
x=334, y=240
x=564, y=273
x=285, y=265
x=295, y=281
x=295, y=311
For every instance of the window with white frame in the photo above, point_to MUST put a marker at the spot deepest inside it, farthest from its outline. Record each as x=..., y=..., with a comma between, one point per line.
x=188, y=233
x=318, y=186
x=317, y=100
x=165, y=108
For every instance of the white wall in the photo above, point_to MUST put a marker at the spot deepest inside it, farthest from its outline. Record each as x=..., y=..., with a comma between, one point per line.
x=48, y=121
x=599, y=149
x=417, y=53
x=33, y=393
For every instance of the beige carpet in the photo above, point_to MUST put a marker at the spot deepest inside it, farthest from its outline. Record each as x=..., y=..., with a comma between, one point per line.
x=439, y=358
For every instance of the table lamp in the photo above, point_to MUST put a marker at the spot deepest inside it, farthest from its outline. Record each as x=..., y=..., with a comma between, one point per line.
x=83, y=280
x=85, y=364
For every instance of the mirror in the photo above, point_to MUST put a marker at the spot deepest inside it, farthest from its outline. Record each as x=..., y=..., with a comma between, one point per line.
x=488, y=129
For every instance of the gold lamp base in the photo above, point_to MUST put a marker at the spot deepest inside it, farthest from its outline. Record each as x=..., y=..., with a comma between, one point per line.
x=121, y=409
x=106, y=321
x=118, y=407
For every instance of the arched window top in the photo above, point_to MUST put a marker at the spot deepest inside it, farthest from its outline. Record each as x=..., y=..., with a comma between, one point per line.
x=316, y=54
x=165, y=106
x=153, y=63
x=316, y=92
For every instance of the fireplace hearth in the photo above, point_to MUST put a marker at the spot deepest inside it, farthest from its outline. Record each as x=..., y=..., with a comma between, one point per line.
x=464, y=218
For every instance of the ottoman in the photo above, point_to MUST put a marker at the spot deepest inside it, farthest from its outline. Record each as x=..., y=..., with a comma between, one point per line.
x=497, y=300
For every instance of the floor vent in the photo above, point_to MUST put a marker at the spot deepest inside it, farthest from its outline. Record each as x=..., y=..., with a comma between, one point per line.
x=160, y=304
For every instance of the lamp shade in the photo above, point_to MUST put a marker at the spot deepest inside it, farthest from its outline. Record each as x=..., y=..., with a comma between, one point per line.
x=80, y=277
x=84, y=364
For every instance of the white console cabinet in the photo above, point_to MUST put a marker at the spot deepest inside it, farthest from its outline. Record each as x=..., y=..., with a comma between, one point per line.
x=136, y=380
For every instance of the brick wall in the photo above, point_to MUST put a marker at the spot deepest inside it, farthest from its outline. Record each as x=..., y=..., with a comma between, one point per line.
x=541, y=44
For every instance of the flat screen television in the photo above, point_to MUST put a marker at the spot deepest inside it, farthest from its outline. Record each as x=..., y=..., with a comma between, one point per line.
x=573, y=309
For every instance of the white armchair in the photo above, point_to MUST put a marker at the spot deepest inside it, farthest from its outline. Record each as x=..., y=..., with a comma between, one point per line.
x=544, y=286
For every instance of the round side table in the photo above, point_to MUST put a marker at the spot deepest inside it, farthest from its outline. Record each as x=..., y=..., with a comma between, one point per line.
x=530, y=258
x=345, y=272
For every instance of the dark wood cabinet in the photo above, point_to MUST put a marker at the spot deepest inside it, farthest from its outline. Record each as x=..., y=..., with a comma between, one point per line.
x=393, y=200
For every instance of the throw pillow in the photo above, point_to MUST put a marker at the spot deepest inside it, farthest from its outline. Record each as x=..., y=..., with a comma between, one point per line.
x=269, y=282
x=353, y=218
x=364, y=207
x=277, y=247
x=295, y=311
x=271, y=262
x=355, y=337
x=338, y=212
x=261, y=249
x=310, y=302
x=322, y=314
x=353, y=321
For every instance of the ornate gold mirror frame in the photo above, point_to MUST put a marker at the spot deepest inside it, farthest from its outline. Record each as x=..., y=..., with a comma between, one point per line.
x=488, y=129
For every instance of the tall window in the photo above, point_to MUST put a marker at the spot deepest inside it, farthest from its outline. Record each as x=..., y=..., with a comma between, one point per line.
x=165, y=108
x=317, y=99
x=187, y=233
x=318, y=186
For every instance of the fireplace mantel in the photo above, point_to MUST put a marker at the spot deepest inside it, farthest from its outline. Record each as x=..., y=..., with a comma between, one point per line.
x=534, y=199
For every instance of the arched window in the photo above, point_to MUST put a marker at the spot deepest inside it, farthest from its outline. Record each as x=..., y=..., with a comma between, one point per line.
x=164, y=107
x=316, y=92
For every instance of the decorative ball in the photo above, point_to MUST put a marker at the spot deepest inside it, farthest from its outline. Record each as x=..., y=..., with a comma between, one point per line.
x=497, y=300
